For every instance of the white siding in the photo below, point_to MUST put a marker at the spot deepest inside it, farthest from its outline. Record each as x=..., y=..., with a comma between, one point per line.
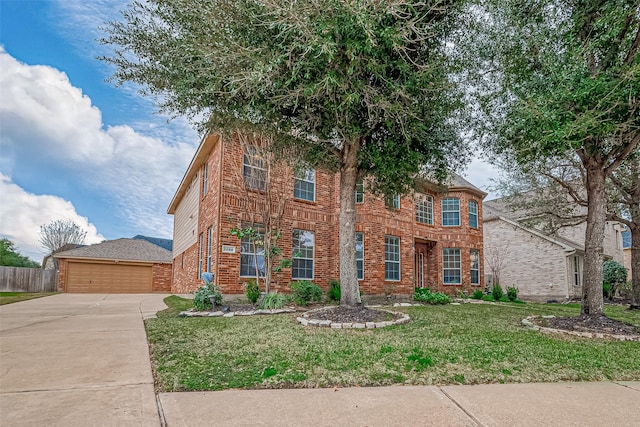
x=185, y=219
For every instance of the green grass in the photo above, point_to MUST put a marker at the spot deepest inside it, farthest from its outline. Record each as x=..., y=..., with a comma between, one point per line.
x=466, y=344
x=11, y=297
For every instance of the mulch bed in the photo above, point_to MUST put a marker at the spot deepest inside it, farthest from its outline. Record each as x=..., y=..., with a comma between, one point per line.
x=342, y=314
x=597, y=324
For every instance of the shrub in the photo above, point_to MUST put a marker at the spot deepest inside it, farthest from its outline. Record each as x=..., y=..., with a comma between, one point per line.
x=205, y=294
x=477, y=294
x=252, y=290
x=504, y=299
x=615, y=275
x=303, y=292
x=607, y=290
x=487, y=298
x=273, y=301
x=334, y=294
x=496, y=292
x=435, y=298
x=512, y=293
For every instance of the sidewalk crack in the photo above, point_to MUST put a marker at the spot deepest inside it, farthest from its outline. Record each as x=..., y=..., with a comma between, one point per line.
x=469, y=414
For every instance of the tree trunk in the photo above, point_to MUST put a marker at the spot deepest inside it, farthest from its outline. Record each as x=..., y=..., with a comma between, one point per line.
x=350, y=293
x=592, y=299
x=635, y=266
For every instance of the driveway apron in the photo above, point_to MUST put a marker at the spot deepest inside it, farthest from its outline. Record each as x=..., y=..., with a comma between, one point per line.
x=77, y=360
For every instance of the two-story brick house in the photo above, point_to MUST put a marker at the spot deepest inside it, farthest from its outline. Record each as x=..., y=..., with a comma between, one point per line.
x=432, y=238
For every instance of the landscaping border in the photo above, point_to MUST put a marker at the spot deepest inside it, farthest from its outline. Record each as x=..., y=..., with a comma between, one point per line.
x=529, y=323
x=305, y=320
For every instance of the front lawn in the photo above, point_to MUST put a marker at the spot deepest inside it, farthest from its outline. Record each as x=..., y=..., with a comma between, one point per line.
x=11, y=297
x=451, y=344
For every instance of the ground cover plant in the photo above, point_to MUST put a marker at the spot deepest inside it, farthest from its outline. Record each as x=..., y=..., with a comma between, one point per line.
x=443, y=344
x=11, y=297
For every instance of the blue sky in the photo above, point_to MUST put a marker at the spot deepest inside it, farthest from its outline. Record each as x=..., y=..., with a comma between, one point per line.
x=73, y=146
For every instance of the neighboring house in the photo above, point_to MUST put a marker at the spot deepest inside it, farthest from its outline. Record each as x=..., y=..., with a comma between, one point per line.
x=116, y=266
x=543, y=267
x=430, y=239
x=163, y=243
x=50, y=262
x=626, y=249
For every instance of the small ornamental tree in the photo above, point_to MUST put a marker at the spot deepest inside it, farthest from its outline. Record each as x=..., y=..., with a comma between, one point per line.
x=614, y=274
x=362, y=88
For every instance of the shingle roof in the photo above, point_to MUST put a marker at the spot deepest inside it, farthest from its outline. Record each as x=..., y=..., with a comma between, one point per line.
x=121, y=249
x=163, y=243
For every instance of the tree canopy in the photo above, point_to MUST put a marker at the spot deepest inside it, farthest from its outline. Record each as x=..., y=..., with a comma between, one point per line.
x=360, y=87
x=9, y=256
x=58, y=233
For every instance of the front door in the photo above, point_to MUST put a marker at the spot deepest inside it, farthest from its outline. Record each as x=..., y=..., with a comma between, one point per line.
x=420, y=264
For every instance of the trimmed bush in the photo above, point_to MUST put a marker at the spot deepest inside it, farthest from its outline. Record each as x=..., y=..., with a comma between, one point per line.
x=497, y=292
x=304, y=292
x=512, y=293
x=334, y=293
x=252, y=290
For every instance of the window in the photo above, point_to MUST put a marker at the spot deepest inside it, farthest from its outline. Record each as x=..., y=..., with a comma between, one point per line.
x=473, y=214
x=303, y=245
x=451, y=211
x=253, y=169
x=360, y=191
x=304, y=185
x=424, y=210
x=475, y=267
x=360, y=255
x=205, y=178
x=576, y=271
x=392, y=202
x=209, y=247
x=251, y=253
x=200, y=249
x=451, y=265
x=391, y=258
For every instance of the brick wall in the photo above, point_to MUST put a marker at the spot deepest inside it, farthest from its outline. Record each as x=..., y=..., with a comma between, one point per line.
x=63, y=266
x=537, y=267
x=161, y=276
x=227, y=204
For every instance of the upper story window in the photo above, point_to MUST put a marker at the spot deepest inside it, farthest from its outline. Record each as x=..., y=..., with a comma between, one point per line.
x=200, y=254
x=253, y=169
x=391, y=258
x=205, y=178
x=392, y=202
x=360, y=255
x=451, y=211
x=209, y=247
x=360, y=191
x=424, y=209
x=303, y=248
x=473, y=214
x=304, y=185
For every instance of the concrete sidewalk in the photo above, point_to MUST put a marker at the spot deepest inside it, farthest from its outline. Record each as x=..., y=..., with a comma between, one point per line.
x=557, y=404
x=77, y=360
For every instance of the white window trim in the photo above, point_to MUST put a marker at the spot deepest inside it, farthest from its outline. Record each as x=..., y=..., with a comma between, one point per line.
x=449, y=211
x=313, y=255
x=359, y=183
x=459, y=268
x=399, y=262
x=471, y=269
x=295, y=178
x=209, y=247
x=200, y=254
x=250, y=151
x=426, y=201
x=395, y=202
x=205, y=179
x=252, y=254
x=473, y=202
x=360, y=278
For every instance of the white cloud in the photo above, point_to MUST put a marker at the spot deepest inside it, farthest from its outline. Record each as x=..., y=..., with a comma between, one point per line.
x=22, y=213
x=44, y=115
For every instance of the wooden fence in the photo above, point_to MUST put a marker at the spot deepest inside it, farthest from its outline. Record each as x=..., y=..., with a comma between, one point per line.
x=19, y=279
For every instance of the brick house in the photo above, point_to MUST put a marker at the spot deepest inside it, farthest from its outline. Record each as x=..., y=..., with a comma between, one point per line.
x=543, y=267
x=432, y=238
x=115, y=266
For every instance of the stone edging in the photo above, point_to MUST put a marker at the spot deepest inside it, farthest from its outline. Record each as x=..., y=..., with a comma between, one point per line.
x=305, y=321
x=528, y=322
x=193, y=313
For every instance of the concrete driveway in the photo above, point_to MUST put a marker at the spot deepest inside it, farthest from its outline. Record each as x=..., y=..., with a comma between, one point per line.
x=77, y=360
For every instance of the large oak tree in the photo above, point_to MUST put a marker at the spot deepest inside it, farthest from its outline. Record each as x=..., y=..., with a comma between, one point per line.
x=361, y=87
